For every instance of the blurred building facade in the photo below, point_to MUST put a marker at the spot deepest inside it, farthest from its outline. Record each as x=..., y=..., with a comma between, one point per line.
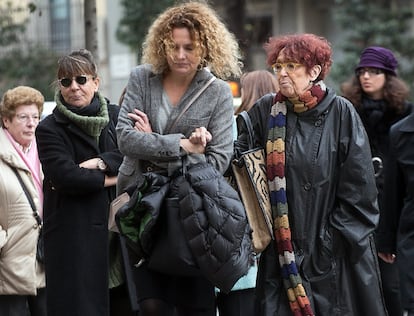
x=59, y=25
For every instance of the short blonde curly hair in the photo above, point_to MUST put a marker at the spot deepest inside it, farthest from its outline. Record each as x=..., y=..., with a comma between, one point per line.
x=21, y=95
x=218, y=48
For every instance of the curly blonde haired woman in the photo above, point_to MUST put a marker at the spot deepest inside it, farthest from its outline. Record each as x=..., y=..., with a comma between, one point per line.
x=184, y=47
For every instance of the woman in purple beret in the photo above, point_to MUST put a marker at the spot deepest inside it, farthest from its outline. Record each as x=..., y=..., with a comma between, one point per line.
x=380, y=98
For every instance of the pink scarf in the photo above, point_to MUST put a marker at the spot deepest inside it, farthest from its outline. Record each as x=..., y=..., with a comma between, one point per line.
x=31, y=160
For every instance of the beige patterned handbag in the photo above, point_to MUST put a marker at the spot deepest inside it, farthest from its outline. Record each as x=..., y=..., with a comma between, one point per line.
x=249, y=171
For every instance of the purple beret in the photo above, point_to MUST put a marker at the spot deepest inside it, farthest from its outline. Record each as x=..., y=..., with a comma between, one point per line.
x=378, y=57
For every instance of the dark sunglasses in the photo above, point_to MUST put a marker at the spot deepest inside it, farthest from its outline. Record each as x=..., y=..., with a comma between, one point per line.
x=66, y=82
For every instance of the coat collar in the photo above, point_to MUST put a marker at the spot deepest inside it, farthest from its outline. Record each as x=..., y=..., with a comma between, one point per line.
x=8, y=154
x=66, y=123
x=406, y=124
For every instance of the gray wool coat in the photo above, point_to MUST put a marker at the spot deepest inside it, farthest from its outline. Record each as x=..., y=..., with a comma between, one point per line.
x=213, y=109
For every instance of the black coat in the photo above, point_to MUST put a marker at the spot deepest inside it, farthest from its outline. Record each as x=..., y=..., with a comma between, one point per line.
x=333, y=211
x=76, y=206
x=377, y=117
x=216, y=226
x=398, y=222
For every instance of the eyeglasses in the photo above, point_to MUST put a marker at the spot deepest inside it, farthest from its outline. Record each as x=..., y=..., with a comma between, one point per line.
x=66, y=82
x=289, y=67
x=370, y=71
x=25, y=118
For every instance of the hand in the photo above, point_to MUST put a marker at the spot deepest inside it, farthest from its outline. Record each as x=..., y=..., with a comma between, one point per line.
x=200, y=136
x=110, y=181
x=387, y=257
x=142, y=123
x=90, y=163
x=192, y=148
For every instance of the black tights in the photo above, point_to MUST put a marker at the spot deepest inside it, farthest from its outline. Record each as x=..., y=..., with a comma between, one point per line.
x=157, y=307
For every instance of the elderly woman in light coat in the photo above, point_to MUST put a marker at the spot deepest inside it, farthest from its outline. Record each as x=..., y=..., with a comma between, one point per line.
x=22, y=286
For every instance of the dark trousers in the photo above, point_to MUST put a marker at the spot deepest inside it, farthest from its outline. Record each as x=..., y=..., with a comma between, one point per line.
x=23, y=305
x=236, y=303
x=391, y=287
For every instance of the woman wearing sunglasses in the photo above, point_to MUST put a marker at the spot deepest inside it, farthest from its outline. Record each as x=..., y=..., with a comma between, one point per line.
x=322, y=190
x=80, y=159
x=380, y=97
x=22, y=290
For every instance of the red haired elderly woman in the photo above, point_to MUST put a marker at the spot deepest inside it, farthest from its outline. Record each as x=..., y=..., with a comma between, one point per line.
x=322, y=190
x=22, y=290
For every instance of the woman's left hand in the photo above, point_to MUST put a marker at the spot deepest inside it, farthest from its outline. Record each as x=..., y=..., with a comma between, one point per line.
x=90, y=163
x=110, y=181
x=200, y=136
x=142, y=123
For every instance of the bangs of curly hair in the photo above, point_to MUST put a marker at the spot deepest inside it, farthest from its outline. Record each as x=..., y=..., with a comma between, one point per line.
x=216, y=46
x=306, y=49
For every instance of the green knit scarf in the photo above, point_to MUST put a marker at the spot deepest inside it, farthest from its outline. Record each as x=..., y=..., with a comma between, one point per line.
x=91, y=125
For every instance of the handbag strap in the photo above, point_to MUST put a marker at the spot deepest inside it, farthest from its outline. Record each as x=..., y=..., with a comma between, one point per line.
x=247, y=121
x=29, y=197
x=192, y=101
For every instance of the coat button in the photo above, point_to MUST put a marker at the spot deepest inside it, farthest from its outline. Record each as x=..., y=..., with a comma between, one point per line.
x=307, y=186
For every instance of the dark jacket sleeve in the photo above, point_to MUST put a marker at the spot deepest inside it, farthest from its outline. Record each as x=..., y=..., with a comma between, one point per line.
x=356, y=215
x=393, y=199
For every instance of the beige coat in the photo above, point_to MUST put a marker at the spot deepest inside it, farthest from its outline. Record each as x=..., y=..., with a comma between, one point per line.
x=20, y=273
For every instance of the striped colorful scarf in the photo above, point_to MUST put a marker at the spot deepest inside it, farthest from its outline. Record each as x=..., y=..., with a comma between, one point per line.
x=276, y=163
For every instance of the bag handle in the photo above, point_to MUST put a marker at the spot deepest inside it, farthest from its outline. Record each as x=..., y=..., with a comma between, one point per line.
x=191, y=102
x=248, y=122
x=29, y=197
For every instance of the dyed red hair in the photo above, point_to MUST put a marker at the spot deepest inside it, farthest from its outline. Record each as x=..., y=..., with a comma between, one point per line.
x=306, y=49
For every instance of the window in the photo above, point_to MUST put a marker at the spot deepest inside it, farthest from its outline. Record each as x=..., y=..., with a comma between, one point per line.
x=60, y=24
